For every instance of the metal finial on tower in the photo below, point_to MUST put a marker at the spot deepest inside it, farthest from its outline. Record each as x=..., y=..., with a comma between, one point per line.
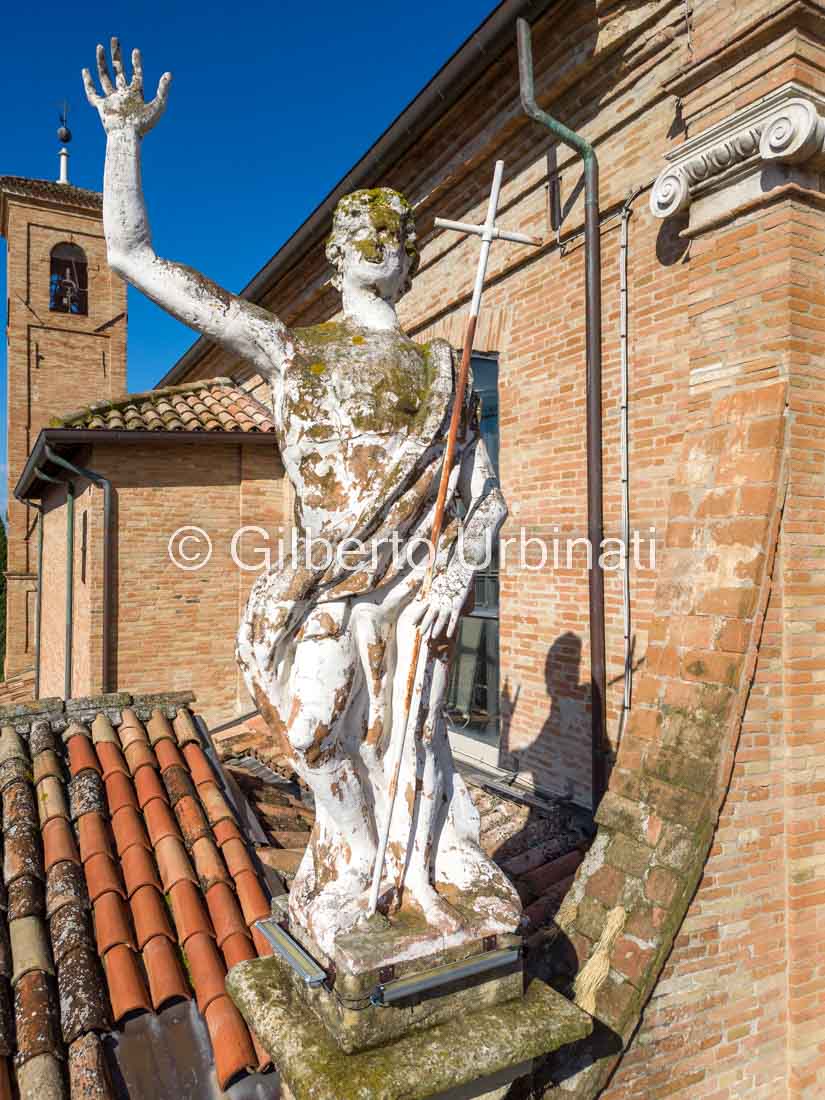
x=64, y=136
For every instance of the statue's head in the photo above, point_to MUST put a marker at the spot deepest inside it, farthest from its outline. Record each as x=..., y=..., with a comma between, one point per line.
x=372, y=243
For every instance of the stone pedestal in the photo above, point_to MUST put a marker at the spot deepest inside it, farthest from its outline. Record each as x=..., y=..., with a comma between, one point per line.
x=473, y=1055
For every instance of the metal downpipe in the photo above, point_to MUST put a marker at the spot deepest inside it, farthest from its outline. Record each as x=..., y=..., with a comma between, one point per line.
x=106, y=486
x=67, y=672
x=593, y=353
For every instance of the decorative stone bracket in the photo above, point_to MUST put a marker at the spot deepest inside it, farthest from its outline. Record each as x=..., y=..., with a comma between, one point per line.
x=779, y=138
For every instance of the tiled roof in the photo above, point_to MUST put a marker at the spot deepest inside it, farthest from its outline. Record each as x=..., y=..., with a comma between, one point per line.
x=207, y=405
x=538, y=842
x=50, y=189
x=128, y=886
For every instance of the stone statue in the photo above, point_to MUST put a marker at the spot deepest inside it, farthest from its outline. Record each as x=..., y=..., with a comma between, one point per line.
x=361, y=414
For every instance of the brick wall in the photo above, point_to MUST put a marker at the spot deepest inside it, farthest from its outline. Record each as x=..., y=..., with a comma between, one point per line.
x=170, y=626
x=57, y=362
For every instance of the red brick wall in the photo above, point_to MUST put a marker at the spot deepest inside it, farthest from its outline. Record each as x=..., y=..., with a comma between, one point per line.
x=57, y=362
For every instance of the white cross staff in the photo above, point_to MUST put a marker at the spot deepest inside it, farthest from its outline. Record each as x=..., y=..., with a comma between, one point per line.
x=488, y=232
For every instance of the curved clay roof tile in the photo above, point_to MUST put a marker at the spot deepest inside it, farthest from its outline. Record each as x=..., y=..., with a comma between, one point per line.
x=166, y=979
x=231, y=1043
x=84, y=1005
x=150, y=916
x=82, y=755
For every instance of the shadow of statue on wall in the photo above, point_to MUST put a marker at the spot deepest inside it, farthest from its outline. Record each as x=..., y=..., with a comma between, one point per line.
x=559, y=756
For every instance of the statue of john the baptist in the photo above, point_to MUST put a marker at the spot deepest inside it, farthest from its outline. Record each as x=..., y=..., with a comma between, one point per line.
x=361, y=413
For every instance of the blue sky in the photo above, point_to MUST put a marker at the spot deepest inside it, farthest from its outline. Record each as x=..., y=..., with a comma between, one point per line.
x=270, y=105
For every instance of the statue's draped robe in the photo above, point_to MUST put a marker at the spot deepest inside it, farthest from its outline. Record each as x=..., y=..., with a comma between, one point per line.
x=293, y=604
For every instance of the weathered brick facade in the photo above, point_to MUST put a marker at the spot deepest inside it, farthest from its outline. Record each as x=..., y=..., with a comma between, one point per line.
x=55, y=361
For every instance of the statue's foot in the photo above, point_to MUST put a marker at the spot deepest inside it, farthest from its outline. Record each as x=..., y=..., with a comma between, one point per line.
x=337, y=909
x=437, y=912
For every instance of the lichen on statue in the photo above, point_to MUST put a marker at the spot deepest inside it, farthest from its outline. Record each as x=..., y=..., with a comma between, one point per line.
x=361, y=414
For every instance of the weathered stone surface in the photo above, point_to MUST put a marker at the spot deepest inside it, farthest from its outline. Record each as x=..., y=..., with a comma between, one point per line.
x=475, y=1048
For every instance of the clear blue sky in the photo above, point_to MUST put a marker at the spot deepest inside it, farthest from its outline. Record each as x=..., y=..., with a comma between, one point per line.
x=270, y=105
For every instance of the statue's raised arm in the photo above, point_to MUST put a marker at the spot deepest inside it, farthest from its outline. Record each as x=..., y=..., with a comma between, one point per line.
x=249, y=331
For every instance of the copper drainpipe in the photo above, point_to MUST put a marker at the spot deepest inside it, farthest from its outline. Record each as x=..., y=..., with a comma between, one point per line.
x=593, y=353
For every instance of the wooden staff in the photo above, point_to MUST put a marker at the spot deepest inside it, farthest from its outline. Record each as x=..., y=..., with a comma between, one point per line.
x=488, y=233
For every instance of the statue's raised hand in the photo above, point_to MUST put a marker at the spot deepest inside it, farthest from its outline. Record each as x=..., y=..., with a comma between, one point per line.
x=122, y=106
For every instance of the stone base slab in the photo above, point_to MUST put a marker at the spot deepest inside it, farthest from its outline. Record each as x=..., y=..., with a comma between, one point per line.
x=470, y=1056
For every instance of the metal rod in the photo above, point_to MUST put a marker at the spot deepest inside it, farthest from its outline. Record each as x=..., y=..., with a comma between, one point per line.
x=291, y=952
x=38, y=608
x=496, y=234
x=593, y=353
x=399, y=990
x=413, y=687
x=67, y=659
x=108, y=595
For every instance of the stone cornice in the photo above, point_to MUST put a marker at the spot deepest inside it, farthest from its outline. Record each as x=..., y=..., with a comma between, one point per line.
x=786, y=127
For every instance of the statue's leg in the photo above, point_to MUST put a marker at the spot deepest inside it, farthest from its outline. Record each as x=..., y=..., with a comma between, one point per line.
x=336, y=869
x=421, y=791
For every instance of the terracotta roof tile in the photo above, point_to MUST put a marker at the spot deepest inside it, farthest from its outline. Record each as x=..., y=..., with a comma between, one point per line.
x=138, y=869
x=102, y=876
x=160, y=822
x=150, y=916
x=37, y=1016
x=83, y=1001
x=209, y=864
x=188, y=911
x=126, y=987
x=65, y=884
x=199, y=767
x=100, y=817
x=225, y=912
x=166, y=978
x=111, y=759
x=82, y=755
x=190, y=816
x=88, y=1074
x=253, y=900
x=26, y=897
x=231, y=1043
x=226, y=830
x=51, y=801
x=129, y=830
x=120, y=793
x=148, y=784
x=70, y=929
x=168, y=755
x=58, y=843
x=112, y=927
x=173, y=863
x=93, y=835
x=47, y=763
x=237, y=948
x=50, y=190
x=207, y=969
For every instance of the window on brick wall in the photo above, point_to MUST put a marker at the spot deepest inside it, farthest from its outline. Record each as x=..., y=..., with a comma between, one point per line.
x=473, y=695
x=69, y=280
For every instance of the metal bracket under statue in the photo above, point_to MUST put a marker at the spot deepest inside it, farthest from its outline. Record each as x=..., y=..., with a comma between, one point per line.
x=777, y=140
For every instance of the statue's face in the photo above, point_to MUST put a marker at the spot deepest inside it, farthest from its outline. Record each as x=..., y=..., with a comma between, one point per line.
x=377, y=261
x=372, y=245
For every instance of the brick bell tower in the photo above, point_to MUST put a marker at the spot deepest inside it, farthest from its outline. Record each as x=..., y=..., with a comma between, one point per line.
x=66, y=346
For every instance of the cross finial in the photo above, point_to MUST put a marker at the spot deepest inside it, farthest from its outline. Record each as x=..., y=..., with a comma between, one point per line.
x=488, y=232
